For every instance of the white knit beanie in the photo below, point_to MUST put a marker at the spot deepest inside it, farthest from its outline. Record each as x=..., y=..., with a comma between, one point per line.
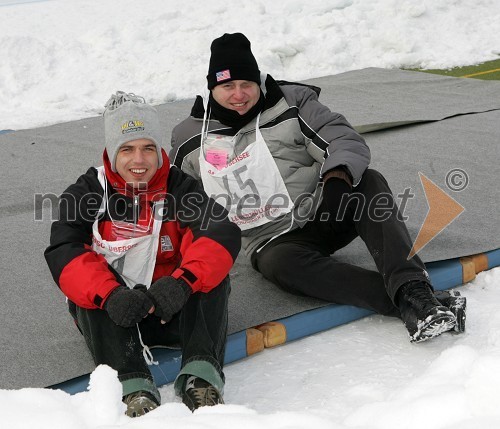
x=128, y=117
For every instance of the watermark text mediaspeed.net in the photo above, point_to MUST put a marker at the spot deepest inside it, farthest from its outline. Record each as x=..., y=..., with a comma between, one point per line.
x=442, y=208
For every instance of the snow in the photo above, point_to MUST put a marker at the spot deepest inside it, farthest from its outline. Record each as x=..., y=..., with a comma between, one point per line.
x=362, y=375
x=62, y=59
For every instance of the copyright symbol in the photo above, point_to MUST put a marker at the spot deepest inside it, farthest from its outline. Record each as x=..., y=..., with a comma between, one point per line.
x=457, y=180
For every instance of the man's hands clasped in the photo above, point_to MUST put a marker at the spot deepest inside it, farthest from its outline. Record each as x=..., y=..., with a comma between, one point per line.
x=126, y=307
x=165, y=297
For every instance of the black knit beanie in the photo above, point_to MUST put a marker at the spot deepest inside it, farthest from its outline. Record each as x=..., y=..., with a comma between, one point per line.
x=232, y=59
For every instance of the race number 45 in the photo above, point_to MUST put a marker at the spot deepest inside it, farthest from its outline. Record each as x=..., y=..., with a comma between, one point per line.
x=239, y=189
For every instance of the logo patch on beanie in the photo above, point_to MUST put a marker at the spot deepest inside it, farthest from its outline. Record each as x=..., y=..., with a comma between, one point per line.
x=223, y=75
x=132, y=126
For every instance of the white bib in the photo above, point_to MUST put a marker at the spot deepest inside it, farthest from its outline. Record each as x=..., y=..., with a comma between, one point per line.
x=134, y=258
x=250, y=186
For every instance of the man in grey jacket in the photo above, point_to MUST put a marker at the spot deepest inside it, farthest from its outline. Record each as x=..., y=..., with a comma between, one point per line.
x=294, y=176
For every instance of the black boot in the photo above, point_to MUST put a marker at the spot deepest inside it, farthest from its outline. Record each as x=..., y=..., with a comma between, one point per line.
x=423, y=315
x=457, y=305
x=199, y=393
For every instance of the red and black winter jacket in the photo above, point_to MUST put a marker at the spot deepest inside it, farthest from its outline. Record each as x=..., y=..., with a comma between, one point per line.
x=204, y=242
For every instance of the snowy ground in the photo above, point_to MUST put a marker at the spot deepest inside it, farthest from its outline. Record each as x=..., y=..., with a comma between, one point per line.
x=61, y=59
x=362, y=375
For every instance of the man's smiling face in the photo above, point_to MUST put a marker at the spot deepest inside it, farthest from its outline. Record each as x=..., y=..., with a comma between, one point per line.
x=237, y=95
x=137, y=161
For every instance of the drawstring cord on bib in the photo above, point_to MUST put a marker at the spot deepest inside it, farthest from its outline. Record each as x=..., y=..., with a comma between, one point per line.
x=206, y=117
x=146, y=352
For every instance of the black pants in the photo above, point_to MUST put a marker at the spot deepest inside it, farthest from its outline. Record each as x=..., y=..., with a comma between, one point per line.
x=200, y=329
x=300, y=261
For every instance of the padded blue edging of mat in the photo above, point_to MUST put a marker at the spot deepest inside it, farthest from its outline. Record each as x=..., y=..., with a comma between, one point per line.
x=443, y=274
x=5, y=131
x=493, y=258
x=320, y=319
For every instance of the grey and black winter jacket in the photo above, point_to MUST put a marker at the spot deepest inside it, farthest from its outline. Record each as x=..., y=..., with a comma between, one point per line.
x=305, y=138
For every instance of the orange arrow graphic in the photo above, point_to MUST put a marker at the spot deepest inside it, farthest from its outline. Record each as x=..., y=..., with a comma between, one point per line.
x=443, y=210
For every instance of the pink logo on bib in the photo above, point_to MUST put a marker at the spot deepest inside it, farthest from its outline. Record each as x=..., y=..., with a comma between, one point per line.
x=217, y=157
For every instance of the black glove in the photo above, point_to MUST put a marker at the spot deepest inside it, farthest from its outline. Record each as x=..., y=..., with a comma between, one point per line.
x=333, y=191
x=169, y=296
x=126, y=307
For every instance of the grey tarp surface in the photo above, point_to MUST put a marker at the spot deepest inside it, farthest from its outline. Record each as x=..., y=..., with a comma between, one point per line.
x=41, y=346
x=389, y=98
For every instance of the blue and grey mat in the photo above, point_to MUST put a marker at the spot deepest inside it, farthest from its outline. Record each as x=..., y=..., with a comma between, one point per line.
x=413, y=122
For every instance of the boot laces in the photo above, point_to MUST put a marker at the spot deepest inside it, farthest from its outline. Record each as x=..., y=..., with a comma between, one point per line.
x=421, y=297
x=139, y=403
x=205, y=396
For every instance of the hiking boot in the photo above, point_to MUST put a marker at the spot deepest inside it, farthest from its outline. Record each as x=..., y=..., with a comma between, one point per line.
x=423, y=315
x=199, y=393
x=139, y=403
x=457, y=305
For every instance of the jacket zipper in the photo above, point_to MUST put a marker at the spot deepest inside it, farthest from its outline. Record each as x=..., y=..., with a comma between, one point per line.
x=136, y=212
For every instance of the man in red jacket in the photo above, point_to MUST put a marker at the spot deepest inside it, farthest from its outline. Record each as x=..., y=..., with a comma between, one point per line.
x=143, y=256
